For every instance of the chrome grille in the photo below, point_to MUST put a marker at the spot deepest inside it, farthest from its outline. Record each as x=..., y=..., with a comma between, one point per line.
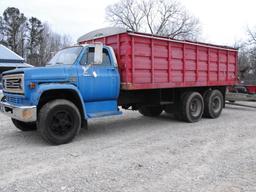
x=13, y=83
x=14, y=100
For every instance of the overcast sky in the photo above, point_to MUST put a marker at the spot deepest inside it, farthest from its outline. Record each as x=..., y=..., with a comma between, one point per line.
x=223, y=21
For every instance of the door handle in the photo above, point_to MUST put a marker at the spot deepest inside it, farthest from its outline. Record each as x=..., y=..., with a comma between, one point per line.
x=94, y=74
x=87, y=75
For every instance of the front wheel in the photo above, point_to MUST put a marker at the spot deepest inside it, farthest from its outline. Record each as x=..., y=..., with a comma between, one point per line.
x=59, y=121
x=24, y=126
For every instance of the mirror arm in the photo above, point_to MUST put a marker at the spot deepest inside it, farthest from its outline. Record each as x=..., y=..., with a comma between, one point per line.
x=98, y=53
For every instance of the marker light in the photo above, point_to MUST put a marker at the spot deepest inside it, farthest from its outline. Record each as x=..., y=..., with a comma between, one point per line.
x=32, y=85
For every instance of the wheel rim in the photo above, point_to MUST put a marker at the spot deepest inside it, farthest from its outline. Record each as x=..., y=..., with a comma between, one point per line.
x=216, y=104
x=195, y=107
x=62, y=123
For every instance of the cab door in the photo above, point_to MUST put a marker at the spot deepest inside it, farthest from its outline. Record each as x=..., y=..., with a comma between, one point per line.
x=98, y=82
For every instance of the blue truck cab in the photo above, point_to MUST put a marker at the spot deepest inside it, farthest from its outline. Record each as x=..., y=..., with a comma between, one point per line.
x=79, y=83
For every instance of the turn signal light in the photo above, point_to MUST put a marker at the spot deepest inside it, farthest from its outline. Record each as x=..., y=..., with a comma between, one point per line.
x=27, y=114
x=32, y=85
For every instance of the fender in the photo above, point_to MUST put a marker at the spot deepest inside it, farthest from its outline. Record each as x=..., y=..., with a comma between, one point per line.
x=36, y=95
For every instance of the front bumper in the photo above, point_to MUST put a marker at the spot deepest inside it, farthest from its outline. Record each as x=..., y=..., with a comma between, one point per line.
x=21, y=113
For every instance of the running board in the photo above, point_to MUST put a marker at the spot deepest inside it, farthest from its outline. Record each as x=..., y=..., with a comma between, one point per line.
x=103, y=114
x=101, y=108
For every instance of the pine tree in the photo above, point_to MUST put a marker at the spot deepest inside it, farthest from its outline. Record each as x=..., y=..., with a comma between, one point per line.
x=13, y=22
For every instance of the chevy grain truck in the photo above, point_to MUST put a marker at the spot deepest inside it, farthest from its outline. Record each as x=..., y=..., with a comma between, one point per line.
x=113, y=68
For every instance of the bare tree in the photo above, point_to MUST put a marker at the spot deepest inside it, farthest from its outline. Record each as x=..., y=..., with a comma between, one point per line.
x=252, y=36
x=247, y=57
x=244, y=65
x=159, y=17
x=66, y=41
x=50, y=43
x=252, y=50
x=125, y=13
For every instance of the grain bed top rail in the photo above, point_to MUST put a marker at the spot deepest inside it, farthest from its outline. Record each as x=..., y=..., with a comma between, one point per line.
x=108, y=31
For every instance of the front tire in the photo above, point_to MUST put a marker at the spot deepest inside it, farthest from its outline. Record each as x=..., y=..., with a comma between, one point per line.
x=59, y=121
x=24, y=126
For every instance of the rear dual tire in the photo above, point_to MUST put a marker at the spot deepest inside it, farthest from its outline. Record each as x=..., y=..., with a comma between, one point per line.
x=192, y=107
x=213, y=102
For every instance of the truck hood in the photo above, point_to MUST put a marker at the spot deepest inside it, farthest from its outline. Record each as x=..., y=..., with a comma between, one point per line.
x=45, y=74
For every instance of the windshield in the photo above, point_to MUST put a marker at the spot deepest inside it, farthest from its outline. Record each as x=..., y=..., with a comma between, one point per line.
x=66, y=56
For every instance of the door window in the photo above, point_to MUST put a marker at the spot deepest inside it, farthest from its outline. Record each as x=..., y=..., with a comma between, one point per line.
x=89, y=57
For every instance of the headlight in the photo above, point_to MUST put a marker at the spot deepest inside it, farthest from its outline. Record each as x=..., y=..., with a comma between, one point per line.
x=13, y=83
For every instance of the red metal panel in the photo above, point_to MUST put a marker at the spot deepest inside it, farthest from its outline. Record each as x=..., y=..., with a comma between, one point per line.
x=208, y=65
x=197, y=63
x=169, y=63
x=149, y=62
x=117, y=49
x=251, y=89
x=227, y=66
x=152, y=61
x=183, y=63
x=132, y=61
x=126, y=61
x=218, y=65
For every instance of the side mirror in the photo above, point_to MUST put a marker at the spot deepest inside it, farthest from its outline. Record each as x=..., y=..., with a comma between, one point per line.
x=98, y=56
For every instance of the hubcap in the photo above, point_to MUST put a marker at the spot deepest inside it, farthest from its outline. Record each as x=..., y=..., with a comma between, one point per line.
x=216, y=104
x=195, y=107
x=61, y=123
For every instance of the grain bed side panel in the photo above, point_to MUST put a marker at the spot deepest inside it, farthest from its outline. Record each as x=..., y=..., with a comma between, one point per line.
x=162, y=64
x=150, y=63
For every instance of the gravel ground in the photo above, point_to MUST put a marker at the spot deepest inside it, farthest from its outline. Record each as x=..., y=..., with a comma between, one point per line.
x=135, y=153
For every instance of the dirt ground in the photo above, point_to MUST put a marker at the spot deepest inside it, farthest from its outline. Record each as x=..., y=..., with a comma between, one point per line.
x=134, y=153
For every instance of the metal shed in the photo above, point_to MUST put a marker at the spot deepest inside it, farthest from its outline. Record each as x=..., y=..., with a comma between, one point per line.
x=8, y=61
